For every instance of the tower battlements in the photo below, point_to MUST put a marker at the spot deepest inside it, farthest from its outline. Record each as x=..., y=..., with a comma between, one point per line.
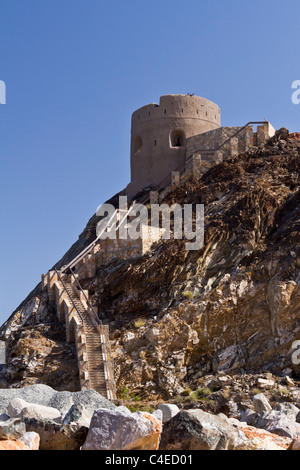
x=159, y=134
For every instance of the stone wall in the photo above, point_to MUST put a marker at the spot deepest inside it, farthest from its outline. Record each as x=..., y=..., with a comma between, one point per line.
x=108, y=250
x=238, y=140
x=213, y=139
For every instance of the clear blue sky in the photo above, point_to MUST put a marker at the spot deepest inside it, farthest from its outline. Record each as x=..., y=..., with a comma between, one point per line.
x=75, y=70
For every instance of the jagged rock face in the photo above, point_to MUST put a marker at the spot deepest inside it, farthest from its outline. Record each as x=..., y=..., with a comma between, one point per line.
x=37, y=351
x=231, y=306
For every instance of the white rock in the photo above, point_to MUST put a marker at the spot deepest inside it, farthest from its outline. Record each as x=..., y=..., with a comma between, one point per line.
x=158, y=414
x=31, y=440
x=261, y=404
x=265, y=384
x=20, y=408
x=168, y=411
x=123, y=409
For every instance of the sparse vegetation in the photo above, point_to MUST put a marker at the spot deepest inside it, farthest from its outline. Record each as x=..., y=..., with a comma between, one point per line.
x=201, y=394
x=186, y=392
x=139, y=323
x=188, y=294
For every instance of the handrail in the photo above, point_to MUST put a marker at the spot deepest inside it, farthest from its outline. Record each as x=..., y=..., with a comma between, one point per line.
x=74, y=305
x=103, y=342
x=87, y=250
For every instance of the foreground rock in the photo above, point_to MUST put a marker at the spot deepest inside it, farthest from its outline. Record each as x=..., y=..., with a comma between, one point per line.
x=120, y=430
x=261, y=404
x=47, y=396
x=61, y=419
x=20, y=408
x=29, y=441
x=198, y=430
x=259, y=439
x=54, y=436
x=281, y=420
x=13, y=445
x=12, y=429
x=77, y=415
x=168, y=412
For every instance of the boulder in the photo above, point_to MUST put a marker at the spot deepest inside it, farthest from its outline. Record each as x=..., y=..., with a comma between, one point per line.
x=295, y=445
x=13, y=428
x=265, y=384
x=54, y=436
x=284, y=427
x=261, y=403
x=124, y=409
x=288, y=410
x=13, y=445
x=118, y=430
x=259, y=439
x=77, y=414
x=31, y=440
x=281, y=420
x=198, y=430
x=20, y=408
x=249, y=416
x=168, y=412
x=158, y=414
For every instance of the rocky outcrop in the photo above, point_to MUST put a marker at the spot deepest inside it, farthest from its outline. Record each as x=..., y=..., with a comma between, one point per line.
x=36, y=348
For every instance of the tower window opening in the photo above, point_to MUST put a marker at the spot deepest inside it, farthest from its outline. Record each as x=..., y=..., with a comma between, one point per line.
x=138, y=144
x=177, y=138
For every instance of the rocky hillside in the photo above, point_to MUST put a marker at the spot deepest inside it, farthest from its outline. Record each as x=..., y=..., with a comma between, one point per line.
x=177, y=316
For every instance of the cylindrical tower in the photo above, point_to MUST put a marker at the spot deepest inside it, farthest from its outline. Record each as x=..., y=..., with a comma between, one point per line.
x=159, y=133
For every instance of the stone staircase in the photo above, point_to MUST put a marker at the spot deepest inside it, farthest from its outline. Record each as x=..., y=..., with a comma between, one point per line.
x=85, y=329
x=83, y=325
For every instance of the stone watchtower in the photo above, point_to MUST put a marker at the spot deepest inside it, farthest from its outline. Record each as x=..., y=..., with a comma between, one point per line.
x=159, y=133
